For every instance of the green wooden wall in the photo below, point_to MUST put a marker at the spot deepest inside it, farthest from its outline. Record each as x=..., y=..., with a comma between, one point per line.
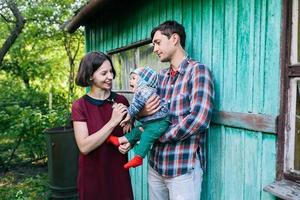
x=240, y=42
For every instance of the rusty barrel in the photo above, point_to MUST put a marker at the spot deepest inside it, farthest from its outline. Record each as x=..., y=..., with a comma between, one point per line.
x=63, y=155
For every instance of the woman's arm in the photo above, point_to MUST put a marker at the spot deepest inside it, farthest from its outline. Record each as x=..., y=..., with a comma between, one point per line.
x=87, y=143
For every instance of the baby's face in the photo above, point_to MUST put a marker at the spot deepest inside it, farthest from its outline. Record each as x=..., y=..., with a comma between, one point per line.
x=133, y=81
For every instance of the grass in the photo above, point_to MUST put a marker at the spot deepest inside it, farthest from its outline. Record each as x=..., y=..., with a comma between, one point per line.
x=19, y=181
x=23, y=178
x=24, y=183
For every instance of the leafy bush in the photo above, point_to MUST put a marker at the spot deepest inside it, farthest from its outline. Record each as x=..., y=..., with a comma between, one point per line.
x=27, y=127
x=24, y=115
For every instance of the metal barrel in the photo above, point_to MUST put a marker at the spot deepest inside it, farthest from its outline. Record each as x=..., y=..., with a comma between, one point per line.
x=63, y=156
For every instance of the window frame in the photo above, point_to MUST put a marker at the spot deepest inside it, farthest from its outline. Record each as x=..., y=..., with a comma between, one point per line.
x=138, y=51
x=292, y=75
x=287, y=184
x=290, y=130
x=290, y=69
x=111, y=52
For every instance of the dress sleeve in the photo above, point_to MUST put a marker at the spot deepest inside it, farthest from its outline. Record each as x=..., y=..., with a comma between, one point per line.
x=77, y=112
x=123, y=100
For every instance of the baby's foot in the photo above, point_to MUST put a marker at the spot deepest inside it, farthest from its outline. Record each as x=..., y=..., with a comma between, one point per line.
x=114, y=140
x=134, y=162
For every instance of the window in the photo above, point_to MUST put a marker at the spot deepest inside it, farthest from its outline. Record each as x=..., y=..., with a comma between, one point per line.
x=292, y=146
x=292, y=128
x=295, y=42
x=297, y=130
x=130, y=58
x=287, y=182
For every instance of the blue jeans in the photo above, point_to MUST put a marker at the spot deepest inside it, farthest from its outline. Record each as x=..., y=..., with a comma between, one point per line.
x=184, y=187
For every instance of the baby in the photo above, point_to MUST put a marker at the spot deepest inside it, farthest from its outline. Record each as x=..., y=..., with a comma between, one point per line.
x=143, y=82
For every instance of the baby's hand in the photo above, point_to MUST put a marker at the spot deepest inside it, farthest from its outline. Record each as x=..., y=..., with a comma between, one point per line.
x=127, y=128
x=125, y=121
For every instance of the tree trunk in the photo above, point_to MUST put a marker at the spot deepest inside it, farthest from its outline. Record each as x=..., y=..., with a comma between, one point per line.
x=15, y=32
x=68, y=40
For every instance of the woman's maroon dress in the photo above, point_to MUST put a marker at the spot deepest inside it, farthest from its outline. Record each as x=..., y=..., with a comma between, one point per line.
x=100, y=173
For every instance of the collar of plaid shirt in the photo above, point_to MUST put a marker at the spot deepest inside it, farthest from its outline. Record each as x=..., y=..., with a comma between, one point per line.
x=172, y=72
x=180, y=69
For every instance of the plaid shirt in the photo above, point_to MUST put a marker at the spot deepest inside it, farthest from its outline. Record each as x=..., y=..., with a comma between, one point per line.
x=189, y=95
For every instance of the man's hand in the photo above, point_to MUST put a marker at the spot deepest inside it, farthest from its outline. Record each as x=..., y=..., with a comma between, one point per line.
x=151, y=106
x=124, y=148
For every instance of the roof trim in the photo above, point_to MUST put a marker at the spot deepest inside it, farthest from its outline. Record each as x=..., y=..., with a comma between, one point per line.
x=84, y=13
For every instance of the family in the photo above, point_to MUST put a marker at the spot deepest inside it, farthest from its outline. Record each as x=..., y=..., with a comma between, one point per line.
x=171, y=111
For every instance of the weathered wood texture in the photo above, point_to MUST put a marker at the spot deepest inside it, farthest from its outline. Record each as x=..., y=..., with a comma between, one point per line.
x=249, y=121
x=240, y=163
x=284, y=189
x=239, y=40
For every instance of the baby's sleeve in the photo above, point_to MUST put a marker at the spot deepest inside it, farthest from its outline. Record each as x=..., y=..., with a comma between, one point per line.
x=137, y=104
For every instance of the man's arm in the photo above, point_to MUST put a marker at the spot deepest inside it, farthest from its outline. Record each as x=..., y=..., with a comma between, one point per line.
x=152, y=106
x=153, y=103
x=139, y=100
x=202, y=96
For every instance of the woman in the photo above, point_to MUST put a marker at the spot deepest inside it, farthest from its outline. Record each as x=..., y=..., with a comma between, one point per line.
x=95, y=116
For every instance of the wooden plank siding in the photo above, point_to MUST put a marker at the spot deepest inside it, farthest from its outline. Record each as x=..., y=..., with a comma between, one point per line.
x=239, y=40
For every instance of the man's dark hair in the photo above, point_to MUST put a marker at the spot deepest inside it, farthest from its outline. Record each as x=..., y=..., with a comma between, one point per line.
x=170, y=27
x=88, y=65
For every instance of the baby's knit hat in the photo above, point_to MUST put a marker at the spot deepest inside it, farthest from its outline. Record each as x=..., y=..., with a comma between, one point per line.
x=147, y=76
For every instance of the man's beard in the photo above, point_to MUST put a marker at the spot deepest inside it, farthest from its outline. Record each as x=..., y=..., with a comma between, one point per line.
x=165, y=59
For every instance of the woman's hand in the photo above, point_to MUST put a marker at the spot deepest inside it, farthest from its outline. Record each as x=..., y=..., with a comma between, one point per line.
x=88, y=142
x=119, y=110
x=151, y=106
x=124, y=148
x=126, y=120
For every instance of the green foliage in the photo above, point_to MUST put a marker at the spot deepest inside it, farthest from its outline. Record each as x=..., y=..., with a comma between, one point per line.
x=29, y=125
x=35, y=68
x=38, y=53
x=24, y=186
x=24, y=115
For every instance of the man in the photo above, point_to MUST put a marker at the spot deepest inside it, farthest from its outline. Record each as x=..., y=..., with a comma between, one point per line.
x=175, y=170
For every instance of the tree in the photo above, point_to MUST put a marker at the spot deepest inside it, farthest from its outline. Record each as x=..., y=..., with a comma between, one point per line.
x=41, y=59
x=38, y=49
x=19, y=24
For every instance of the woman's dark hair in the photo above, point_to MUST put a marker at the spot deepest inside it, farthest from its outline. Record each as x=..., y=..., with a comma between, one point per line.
x=168, y=28
x=88, y=65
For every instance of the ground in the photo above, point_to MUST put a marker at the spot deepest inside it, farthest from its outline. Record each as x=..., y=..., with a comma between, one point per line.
x=28, y=182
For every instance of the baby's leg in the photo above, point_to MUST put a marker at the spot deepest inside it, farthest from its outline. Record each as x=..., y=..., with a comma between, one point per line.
x=116, y=140
x=152, y=131
x=134, y=135
x=151, y=134
x=141, y=150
